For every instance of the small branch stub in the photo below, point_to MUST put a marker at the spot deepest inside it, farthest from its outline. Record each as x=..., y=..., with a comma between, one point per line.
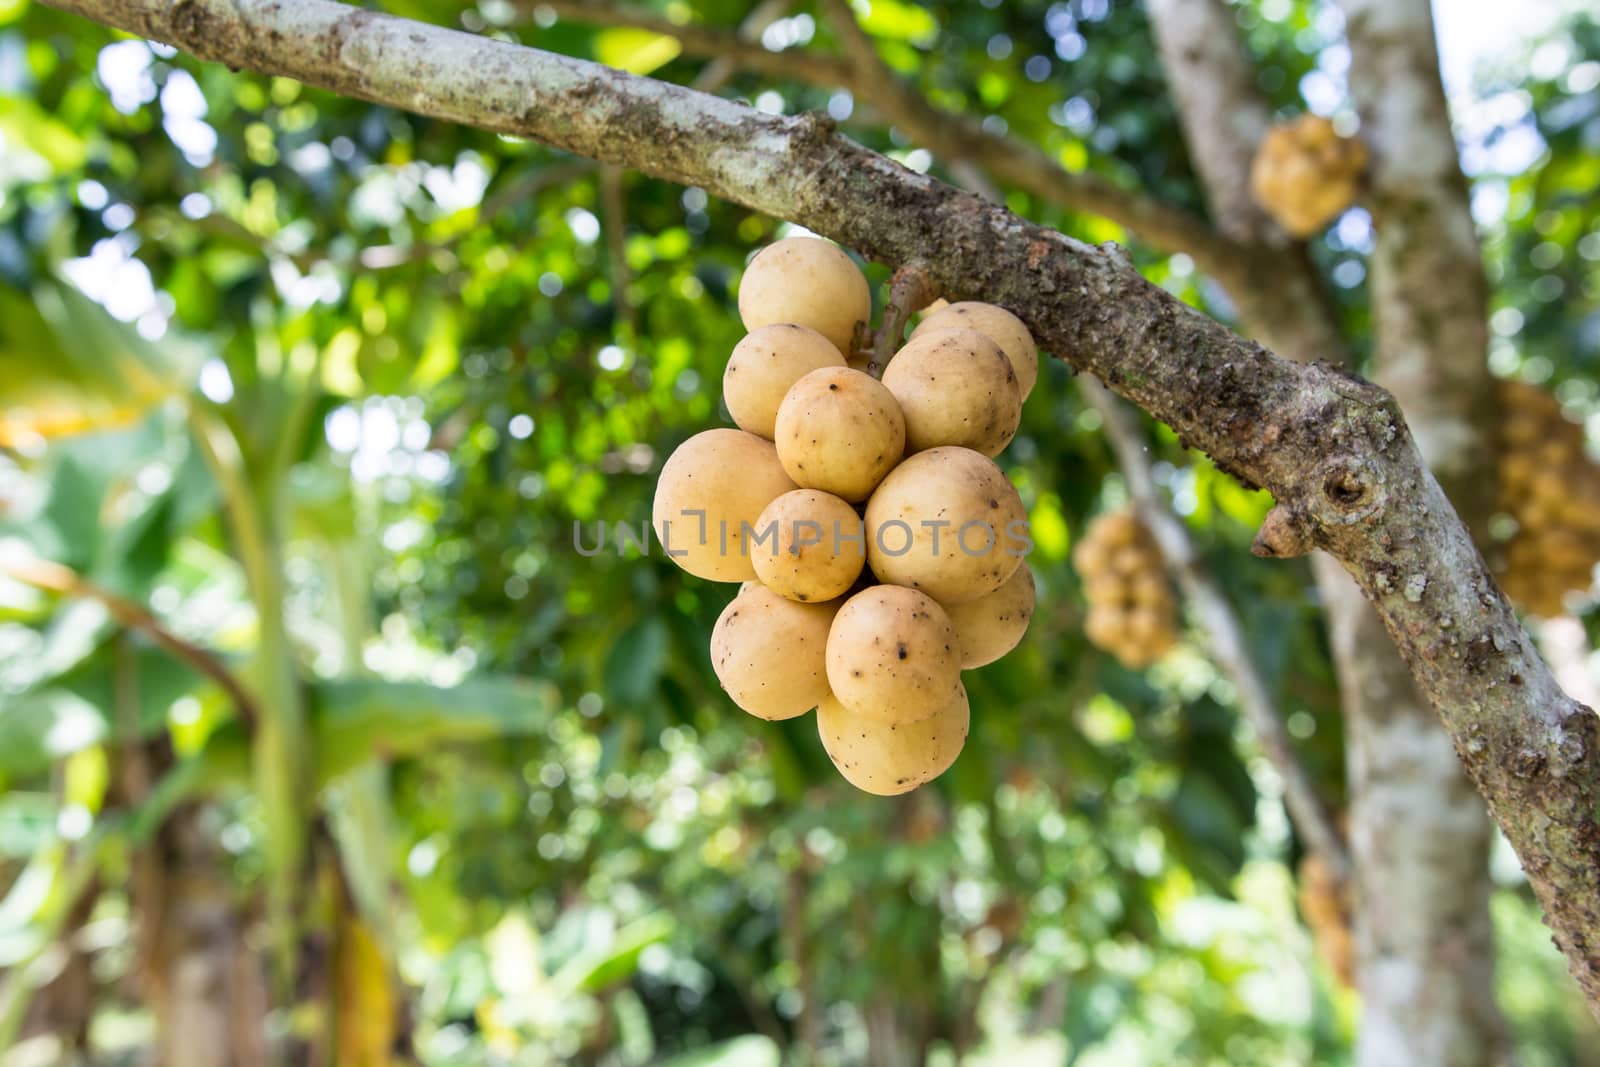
x=1281, y=536
x=910, y=289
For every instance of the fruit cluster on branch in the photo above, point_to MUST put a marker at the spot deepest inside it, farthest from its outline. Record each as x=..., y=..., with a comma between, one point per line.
x=880, y=546
x=1305, y=174
x=1132, y=612
x=1551, y=487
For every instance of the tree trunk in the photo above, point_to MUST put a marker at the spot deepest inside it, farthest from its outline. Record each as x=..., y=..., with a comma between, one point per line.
x=203, y=982
x=191, y=964
x=1420, y=845
x=1419, y=834
x=65, y=1005
x=897, y=1032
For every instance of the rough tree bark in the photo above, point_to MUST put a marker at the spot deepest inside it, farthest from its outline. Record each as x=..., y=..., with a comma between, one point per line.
x=1333, y=449
x=1425, y=953
x=1425, y=940
x=950, y=136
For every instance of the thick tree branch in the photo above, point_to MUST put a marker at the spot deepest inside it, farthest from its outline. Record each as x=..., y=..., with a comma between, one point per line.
x=955, y=138
x=1229, y=648
x=1332, y=448
x=958, y=139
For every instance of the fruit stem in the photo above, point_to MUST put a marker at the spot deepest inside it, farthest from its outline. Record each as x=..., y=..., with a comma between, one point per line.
x=911, y=288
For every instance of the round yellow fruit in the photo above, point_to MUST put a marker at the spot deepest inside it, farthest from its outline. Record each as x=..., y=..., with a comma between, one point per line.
x=764, y=365
x=1150, y=630
x=888, y=759
x=994, y=624
x=893, y=655
x=946, y=522
x=713, y=485
x=806, y=281
x=1105, y=626
x=1148, y=590
x=999, y=326
x=770, y=654
x=955, y=387
x=840, y=431
x=809, y=546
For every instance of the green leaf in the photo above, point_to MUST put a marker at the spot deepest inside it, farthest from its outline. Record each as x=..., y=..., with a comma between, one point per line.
x=25, y=126
x=73, y=691
x=898, y=21
x=67, y=528
x=138, y=550
x=634, y=665
x=27, y=897
x=105, y=343
x=67, y=366
x=603, y=964
x=634, y=50
x=72, y=636
x=441, y=352
x=38, y=727
x=158, y=681
x=27, y=823
x=358, y=720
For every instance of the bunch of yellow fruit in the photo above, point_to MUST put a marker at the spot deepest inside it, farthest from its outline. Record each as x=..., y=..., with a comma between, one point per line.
x=1305, y=174
x=880, y=546
x=1551, y=487
x=1132, y=612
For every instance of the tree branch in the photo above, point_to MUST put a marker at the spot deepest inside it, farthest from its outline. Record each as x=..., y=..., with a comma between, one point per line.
x=55, y=578
x=957, y=138
x=1333, y=449
x=1229, y=648
x=614, y=222
x=953, y=137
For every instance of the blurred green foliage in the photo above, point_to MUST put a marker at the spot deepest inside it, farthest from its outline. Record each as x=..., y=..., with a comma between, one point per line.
x=425, y=354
